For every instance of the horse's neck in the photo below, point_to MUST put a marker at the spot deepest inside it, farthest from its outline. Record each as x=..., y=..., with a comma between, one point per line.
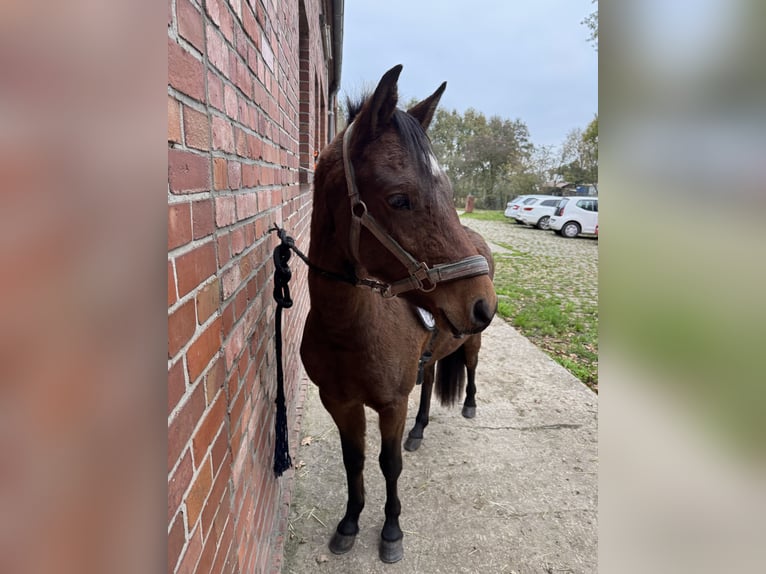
x=333, y=300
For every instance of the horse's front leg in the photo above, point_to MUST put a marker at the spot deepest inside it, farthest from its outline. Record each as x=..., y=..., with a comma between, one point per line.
x=415, y=436
x=392, y=421
x=351, y=424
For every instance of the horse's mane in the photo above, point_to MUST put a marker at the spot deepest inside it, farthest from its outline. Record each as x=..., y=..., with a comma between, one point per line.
x=412, y=134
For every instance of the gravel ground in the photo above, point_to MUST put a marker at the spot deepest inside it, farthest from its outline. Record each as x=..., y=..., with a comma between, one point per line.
x=570, y=266
x=548, y=288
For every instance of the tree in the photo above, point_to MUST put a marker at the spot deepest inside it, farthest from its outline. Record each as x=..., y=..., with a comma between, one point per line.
x=578, y=155
x=590, y=149
x=591, y=21
x=484, y=157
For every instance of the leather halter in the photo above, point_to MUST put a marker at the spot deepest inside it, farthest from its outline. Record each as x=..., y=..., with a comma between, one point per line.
x=421, y=276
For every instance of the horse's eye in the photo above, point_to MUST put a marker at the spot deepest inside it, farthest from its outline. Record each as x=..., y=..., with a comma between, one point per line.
x=399, y=201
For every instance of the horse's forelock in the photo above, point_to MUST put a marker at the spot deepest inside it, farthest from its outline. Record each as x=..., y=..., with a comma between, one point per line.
x=411, y=133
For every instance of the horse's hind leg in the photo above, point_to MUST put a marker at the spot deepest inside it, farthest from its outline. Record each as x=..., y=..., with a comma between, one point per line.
x=351, y=424
x=415, y=436
x=392, y=421
x=472, y=346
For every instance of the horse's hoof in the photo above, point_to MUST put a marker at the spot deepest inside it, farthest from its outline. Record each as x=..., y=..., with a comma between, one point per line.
x=469, y=412
x=341, y=543
x=391, y=552
x=412, y=444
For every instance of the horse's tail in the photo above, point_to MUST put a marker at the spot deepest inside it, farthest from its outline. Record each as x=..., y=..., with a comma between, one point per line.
x=450, y=377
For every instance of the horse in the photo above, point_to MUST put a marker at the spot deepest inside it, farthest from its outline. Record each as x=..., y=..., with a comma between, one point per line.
x=384, y=237
x=451, y=371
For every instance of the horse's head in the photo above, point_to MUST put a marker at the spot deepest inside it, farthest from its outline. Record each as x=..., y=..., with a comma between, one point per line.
x=396, y=188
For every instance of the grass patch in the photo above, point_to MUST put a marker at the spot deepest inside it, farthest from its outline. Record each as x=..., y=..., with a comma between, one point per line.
x=553, y=304
x=485, y=215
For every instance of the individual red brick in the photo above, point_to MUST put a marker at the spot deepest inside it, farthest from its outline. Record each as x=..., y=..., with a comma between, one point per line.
x=189, y=560
x=235, y=174
x=181, y=425
x=181, y=326
x=217, y=52
x=220, y=174
x=247, y=205
x=214, y=379
x=179, y=483
x=227, y=25
x=214, y=9
x=223, y=135
x=176, y=385
x=195, y=267
x=208, y=429
x=225, y=544
x=188, y=172
x=237, y=407
x=240, y=142
x=190, y=24
x=174, y=120
x=196, y=129
x=207, y=301
x=230, y=101
x=220, y=450
x=230, y=282
x=237, y=241
x=198, y=491
x=203, y=223
x=172, y=297
x=185, y=72
x=224, y=250
x=176, y=541
x=250, y=25
x=203, y=349
x=208, y=555
x=225, y=211
x=249, y=178
x=179, y=225
x=214, y=90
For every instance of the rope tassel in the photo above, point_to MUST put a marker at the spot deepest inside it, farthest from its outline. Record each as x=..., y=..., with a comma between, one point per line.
x=282, y=277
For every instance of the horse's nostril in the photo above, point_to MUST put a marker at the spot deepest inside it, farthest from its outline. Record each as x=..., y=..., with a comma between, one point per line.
x=482, y=312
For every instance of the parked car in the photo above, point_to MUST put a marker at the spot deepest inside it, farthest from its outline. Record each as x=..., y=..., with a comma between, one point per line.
x=513, y=208
x=575, y=215
x=537, y=214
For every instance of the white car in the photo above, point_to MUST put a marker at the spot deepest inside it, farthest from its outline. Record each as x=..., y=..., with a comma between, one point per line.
x=538, y=214
x=575, y=215
x=513, y=208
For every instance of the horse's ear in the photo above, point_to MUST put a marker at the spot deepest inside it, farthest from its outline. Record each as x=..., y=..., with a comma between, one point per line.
x=380, y=107
x=424, y=111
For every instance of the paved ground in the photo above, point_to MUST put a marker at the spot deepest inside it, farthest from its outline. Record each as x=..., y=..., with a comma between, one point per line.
x=512, y=491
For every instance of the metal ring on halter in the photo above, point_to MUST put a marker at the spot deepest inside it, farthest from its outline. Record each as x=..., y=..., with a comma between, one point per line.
x=361, y=204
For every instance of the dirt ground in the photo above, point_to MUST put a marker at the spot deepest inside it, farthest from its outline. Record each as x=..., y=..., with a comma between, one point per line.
x=513, y=490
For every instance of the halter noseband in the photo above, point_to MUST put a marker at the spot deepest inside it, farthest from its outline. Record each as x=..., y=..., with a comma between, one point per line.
x=421, y=276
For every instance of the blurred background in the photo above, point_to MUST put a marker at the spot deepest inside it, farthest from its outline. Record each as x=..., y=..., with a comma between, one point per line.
x=682, y=281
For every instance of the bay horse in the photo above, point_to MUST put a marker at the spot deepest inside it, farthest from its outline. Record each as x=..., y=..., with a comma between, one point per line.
x=451, y=370
x=385, y=237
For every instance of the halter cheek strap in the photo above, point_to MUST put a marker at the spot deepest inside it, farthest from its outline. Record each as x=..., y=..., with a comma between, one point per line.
x=421, y=276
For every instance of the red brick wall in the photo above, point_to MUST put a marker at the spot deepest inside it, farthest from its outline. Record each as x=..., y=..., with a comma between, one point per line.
x=244, y=94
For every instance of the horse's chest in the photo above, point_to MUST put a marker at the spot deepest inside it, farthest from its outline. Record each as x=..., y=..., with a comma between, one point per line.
x=358, y=358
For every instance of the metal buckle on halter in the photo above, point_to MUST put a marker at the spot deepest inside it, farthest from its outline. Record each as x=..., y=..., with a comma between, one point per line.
x=421, y=274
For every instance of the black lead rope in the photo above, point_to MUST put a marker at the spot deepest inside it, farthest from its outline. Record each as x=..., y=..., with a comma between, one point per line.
x=282, y=277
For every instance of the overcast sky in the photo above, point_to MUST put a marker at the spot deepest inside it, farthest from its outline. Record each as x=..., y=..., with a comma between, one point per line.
x=529, y=60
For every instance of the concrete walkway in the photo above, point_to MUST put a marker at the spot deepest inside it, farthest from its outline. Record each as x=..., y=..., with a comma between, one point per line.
x=513, y=490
